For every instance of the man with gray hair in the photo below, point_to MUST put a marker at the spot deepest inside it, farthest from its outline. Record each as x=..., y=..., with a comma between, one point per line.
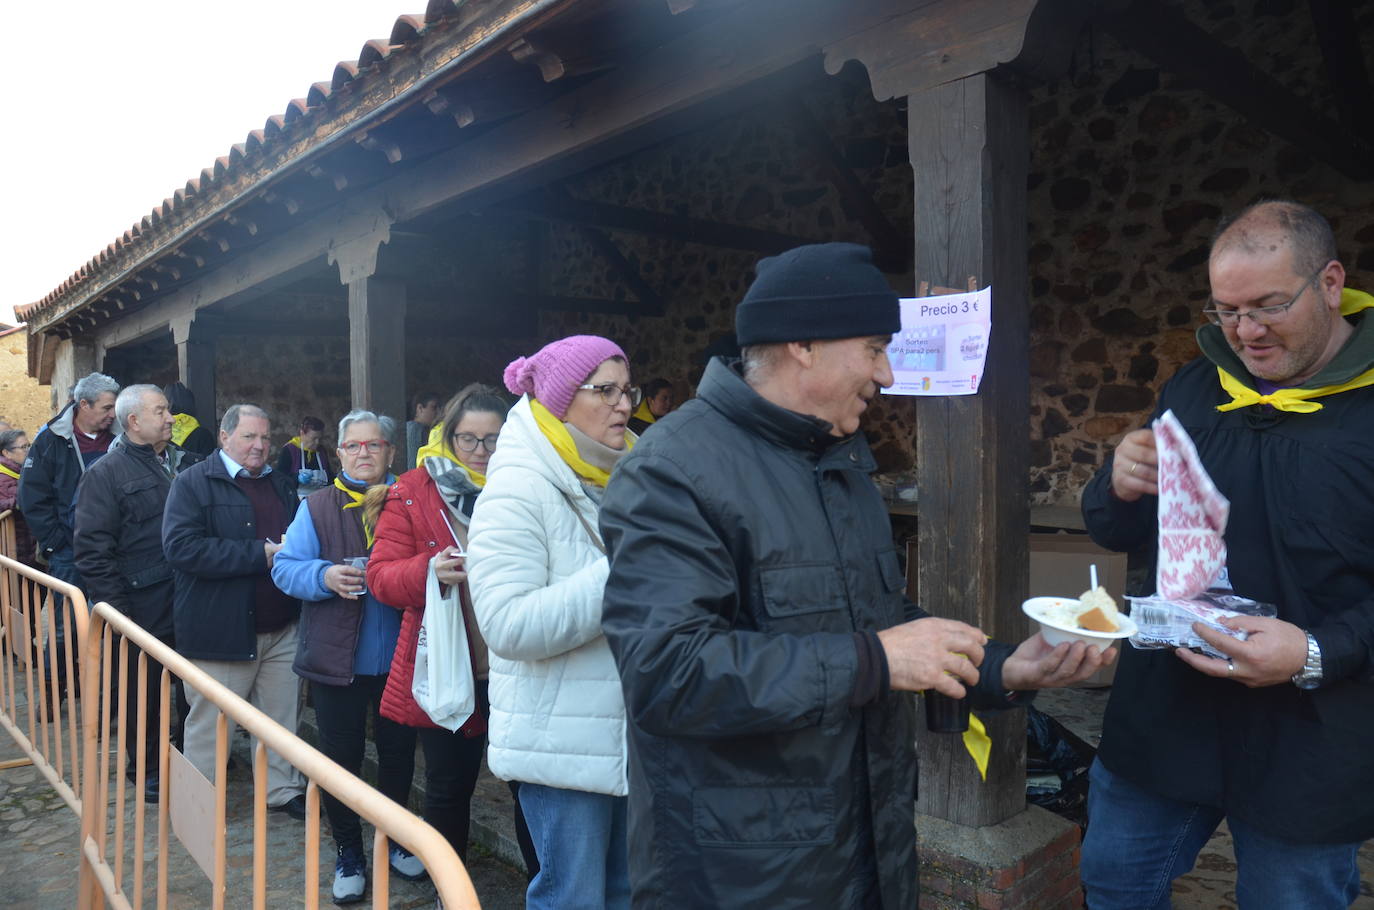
x=221, y=532
x=75, y=439
x=118, y=547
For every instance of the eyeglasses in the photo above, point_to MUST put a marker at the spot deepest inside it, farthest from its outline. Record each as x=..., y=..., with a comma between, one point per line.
x=22, y=448
x=1265, y=315
x=373, y=446
x=611, y=393
x=467, y=442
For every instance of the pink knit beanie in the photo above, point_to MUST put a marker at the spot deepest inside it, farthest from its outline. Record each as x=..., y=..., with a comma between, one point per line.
x=553, y=374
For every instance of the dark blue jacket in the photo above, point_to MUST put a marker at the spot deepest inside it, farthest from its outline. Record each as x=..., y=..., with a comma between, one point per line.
x=212, y=542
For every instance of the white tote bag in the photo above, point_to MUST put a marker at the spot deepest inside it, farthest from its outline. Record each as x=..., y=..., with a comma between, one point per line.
x=443, y=686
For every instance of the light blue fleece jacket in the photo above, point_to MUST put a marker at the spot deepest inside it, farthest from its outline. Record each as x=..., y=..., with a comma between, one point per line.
x=299, y=572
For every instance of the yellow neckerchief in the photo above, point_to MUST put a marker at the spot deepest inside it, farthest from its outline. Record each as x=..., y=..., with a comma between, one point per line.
x=357, y=502
x=563, y=444
x=1298, y=401
x=296, y=441
x=4, y=469
x=643, y=413
x=183, y=425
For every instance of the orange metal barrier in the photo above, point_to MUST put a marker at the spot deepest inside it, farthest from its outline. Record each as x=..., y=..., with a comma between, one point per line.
x=185, y=794
x=30, y=703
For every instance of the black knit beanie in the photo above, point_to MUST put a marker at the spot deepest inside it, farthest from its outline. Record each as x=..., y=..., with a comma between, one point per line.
x=827, y=290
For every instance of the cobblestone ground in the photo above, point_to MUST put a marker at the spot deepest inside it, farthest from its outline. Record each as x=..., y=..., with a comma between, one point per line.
x=39, y=838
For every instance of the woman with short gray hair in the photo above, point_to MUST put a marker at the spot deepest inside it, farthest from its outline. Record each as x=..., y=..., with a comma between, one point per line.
x=347, y=638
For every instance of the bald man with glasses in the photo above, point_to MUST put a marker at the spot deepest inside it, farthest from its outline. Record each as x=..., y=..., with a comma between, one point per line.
x=1276, y=739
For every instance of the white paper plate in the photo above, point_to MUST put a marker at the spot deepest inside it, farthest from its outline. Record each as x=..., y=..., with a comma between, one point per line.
x=1056, y=632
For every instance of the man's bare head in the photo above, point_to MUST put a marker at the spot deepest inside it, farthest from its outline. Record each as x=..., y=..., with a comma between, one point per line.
x=1266, y=228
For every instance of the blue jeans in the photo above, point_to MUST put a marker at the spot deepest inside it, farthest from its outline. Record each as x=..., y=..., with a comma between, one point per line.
x=1138, y=843
x=584, y=861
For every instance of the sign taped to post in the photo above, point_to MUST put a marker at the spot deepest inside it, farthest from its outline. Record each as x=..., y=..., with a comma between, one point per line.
x=943, y=344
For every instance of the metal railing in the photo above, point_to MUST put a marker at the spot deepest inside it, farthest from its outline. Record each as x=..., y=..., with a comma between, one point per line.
x=185, y=793
x=31, y=700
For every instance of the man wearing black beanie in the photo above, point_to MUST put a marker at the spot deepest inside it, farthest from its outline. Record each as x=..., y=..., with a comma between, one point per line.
x=756, y=611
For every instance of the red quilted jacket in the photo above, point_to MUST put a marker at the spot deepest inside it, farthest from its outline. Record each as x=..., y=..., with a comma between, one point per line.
x=411, y=529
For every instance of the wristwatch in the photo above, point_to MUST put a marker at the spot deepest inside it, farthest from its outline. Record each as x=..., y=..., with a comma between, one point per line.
x=1310, y=676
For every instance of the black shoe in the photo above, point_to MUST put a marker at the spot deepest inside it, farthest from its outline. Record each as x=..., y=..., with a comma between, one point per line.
x=152, y=788
x=294, y=807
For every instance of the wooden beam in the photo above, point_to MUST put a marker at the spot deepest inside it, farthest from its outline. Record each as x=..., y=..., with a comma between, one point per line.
x=377, y=344
x=650, y=303
x=969, y=146
x=1171, y=40
x=561, y=208
x=1343, y=57
x=890, y=246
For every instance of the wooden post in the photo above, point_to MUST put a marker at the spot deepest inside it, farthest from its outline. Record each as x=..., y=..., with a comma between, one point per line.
x=377, y=345
x=969, y=149
x=196, y=368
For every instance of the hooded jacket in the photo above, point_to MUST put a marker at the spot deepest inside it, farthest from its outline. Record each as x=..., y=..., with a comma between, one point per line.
x=47, y=485
x=748, y=546
x=536, y=574
x=9, y=499
x=118, y=534
x=1294, y=763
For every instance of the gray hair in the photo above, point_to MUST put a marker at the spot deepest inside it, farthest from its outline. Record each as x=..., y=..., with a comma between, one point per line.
x=91, y=386
x=385, y=424
x=9, y=437
x=758, y=360
x=130, y=400
x=1303, y=228
x=230, y=421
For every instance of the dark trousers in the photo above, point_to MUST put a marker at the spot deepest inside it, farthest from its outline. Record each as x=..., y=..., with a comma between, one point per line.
x=452, y=761
x=341, y=713
x=128, y=681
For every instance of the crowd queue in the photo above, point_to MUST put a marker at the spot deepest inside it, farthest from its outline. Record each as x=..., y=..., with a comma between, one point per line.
x=683, y=639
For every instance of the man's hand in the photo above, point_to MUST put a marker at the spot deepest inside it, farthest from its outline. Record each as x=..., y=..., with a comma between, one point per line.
x=448, y=566
x=934, y=654
x=270, y=548
x=1035, y=665
x=346, y=581
x=1272, y=653
x=1135, y=466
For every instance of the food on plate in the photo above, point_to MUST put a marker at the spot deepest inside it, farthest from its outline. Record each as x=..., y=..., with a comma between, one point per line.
x=1097, y=611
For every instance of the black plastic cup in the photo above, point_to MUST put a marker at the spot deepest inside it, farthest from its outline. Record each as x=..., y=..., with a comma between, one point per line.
x=945, y=714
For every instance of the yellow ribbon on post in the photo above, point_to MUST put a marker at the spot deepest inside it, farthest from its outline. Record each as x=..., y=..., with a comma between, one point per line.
x=978, y=744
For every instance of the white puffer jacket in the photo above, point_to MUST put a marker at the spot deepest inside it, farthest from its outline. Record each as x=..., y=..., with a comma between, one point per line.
x=557, y=713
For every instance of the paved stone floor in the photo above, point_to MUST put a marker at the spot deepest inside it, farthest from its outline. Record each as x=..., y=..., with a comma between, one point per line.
x=39, y=837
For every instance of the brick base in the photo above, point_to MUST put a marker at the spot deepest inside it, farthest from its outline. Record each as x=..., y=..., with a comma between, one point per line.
x=1028, y=862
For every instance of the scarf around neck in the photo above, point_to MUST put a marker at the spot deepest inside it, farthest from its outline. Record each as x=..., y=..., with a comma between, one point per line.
x=356, y=497
x=1352, y=367
x=643, y=413
x=590, y=460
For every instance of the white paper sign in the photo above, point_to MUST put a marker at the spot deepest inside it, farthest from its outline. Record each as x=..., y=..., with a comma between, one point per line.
x=943, y=344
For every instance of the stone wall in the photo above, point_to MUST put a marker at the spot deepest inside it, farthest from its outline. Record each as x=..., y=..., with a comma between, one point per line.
x=1130, y=172
x=23, y=402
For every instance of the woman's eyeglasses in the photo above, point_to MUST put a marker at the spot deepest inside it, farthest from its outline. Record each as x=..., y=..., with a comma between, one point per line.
x=467, y=442
x=611, y=393
x=373, y=446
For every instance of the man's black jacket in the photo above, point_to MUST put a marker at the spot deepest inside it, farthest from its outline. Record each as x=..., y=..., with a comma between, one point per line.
x=118, y=535
x=47, y=484
x=213, y=544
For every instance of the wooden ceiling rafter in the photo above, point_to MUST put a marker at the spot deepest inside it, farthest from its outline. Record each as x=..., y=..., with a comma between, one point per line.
x=891, y=248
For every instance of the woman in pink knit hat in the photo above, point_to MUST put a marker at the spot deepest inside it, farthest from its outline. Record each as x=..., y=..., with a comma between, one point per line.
x=536, y=568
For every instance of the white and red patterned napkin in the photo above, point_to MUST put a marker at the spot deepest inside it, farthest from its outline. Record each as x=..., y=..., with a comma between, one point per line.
x=1192, y=515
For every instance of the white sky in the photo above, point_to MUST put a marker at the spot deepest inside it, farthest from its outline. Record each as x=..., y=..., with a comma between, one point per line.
x=114, y=106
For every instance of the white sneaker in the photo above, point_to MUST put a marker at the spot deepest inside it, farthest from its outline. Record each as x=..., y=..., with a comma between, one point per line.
x=350, y=875
x=406, y=864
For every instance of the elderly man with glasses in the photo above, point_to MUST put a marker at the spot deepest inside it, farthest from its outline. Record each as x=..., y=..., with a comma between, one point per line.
x=1277, y=739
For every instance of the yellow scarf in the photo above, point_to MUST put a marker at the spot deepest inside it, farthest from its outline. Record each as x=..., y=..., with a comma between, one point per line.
x=563, y=444
x=357, y=503
x=1298, y=401
x=7, y=471
x=643, y=413
x=183, y=425
x=296, y=441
